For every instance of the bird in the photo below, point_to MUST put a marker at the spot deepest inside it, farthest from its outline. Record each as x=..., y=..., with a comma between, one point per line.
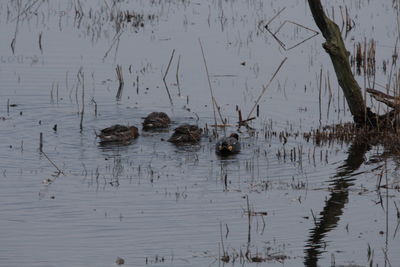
x=228, y=145
x=186, y=133
x=156, y=120
x=118, y=134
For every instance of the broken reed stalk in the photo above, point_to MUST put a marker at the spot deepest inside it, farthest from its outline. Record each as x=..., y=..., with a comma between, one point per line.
x=248, y=209
x=116, y=48
x=26, y=9
x=40, y=42
x=276, y=15
x=115, y=39
x=66, y=81
x=330, y=95
x=165, y=75
x=265, y=88
x=274, y=34
x=177, y=76
x=14, y=40
x=213, y=100
x=249, y=228
x=222, y=241
x=120, y=78
x=319, y=97
x=81, y=80
x=137, y=84
x=95, y=107
x=209, y=84
x=315, y=33
x=342, y=16
x=57, y=91
x=387, y=208
x=41, y=142
x=52, y=163
x=51, y=93
x=397, y=209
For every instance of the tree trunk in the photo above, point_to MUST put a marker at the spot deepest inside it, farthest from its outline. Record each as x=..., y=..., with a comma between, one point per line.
x=339, y=55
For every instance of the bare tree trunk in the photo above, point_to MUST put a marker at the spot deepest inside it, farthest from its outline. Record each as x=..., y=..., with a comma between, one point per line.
x=339, y=55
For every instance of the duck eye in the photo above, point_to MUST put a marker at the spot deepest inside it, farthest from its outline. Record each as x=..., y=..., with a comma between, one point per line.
x=230, y=148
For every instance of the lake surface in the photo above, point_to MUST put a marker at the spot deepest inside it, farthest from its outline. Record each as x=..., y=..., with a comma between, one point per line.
x=156, y=204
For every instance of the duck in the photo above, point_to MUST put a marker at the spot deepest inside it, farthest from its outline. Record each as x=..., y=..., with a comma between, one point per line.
x=186, y=133
x=118, y=134
x=156, y=120
x=228, y=145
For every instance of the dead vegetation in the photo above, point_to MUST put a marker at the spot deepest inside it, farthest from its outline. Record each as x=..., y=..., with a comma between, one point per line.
x=241, y=255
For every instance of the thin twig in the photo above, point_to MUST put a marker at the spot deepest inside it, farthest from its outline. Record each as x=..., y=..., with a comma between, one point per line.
x=397, y=209
x=115, y=39
x=95, y=107
x=14, y=40
x=165, y=75
x=40, y=42
x=222, y=239
x=41, y=142
x=177, y=76
x=249, y=228
x=274, y=34
x=81, y=80
x=315, y=33
x=25, y=10
x=274, y=17
x=120, y=78
x=319, y=97
x=52, y=163
x=214, y=102
x=265, y=88
x=169, y=64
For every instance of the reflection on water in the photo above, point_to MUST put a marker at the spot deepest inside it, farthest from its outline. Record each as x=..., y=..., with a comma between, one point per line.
x=333, y=209
x=329, y=217
x=355, y=158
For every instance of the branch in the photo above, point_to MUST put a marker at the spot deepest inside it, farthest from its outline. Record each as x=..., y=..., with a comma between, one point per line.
x=339, y=55
x=390, y=101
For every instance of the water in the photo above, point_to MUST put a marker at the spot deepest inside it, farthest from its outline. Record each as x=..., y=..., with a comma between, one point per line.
x=157, y=204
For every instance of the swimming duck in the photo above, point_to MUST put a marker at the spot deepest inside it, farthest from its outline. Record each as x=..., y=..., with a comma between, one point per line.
x=186, y=134
x=156, y=120
x=118, y=133
x=228, y=145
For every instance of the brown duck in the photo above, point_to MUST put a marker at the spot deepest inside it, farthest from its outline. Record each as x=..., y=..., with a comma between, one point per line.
x=118, y=134
x=156, y=120
x=186, y=134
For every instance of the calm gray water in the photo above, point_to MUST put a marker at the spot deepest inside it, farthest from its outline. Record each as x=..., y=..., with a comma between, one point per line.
x=155, y=204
